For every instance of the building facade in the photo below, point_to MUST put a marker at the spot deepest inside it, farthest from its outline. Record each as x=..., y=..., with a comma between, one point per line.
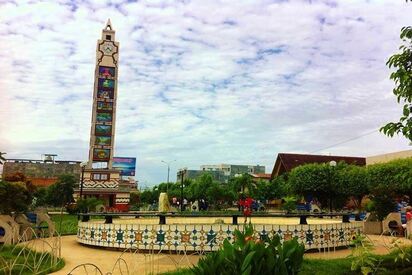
x=40, y=173
x=388, y=157
x=99, y=178
x=223, y=172
x=285, y=162
x=232, y=170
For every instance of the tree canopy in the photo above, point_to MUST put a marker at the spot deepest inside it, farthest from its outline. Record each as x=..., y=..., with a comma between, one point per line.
x=402, y=76
x=61, y=193
x=14, y=197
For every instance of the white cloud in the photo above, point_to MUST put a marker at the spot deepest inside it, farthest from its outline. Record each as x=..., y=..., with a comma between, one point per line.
x=202, y=81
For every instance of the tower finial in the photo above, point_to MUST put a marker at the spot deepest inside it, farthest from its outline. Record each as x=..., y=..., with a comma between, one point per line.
x=108, y=25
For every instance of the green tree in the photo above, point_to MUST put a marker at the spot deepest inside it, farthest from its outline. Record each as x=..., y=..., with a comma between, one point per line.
x=274, y=189
x=88, y=204
x=402, y=76
x=383, y=202
x=204, y=187
x=61, y=193
x=148, y=196
x=319, y=180
x=198, y=189
x=14, y=197
x=243, y=184
x=387, y=182
x=352, y=182
x=134, y=197
x=396, y=175
x=40, y=197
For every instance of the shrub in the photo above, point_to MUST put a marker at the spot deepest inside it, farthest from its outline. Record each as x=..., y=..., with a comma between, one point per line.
x=88, y=204
x=290, y=204
x=362, y=258
x=383, y=202
x=249, y=255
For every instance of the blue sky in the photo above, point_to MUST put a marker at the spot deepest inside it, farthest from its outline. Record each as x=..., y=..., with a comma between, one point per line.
x=202, y=82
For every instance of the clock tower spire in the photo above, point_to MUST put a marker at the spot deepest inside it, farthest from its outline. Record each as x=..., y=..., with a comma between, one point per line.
x=100, y=179
x=104, y=100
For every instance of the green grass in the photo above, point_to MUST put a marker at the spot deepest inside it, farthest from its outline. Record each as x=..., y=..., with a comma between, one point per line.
x=34, y=263
x=68, y=224
x=181, y=271
x=337, y=267
x=326, y=267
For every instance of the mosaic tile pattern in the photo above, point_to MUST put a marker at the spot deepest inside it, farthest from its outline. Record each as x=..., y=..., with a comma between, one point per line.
x=198, y=237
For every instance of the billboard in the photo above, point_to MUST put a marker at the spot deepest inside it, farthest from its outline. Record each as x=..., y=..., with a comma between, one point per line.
x=127, y=166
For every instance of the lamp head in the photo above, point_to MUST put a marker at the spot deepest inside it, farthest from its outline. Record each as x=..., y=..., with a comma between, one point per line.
x=332, y=163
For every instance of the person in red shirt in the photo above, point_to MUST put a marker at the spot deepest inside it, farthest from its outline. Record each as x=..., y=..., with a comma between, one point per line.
x=246, y=206
x=408, y=213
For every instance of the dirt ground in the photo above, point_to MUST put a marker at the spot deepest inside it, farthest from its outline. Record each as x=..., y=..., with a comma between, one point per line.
x=114, y=261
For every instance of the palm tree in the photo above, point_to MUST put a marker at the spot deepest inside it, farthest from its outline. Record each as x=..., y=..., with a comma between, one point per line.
x=243, y=184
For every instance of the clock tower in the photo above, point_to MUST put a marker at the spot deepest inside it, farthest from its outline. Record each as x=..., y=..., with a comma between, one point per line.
x=99, y=178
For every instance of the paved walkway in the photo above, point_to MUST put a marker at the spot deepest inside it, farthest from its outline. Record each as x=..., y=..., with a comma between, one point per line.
x=107, y=260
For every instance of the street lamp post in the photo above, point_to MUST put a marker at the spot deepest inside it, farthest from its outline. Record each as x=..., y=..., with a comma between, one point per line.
x=83, y=167
x=332, y=164
x=168, y=172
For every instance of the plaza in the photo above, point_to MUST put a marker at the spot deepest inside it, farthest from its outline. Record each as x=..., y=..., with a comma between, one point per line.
x=287, y=125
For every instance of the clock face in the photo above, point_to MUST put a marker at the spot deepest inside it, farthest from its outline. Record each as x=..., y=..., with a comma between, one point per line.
x=107, y=48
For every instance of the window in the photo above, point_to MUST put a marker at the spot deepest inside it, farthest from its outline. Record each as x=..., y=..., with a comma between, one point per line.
x=96, y=176
x=108, y=37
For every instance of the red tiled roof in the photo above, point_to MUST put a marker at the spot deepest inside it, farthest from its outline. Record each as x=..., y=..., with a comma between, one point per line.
x=262, y=176
x=286, y=162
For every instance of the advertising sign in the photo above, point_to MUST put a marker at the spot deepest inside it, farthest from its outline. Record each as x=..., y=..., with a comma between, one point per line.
x=127, y=166
x=103, y=130
x=101, y=154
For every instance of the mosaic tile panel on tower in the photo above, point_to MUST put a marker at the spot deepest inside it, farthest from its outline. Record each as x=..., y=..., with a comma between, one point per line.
x=202, y=237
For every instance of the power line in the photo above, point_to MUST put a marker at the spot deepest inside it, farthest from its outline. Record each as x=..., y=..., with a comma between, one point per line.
x=345, y=141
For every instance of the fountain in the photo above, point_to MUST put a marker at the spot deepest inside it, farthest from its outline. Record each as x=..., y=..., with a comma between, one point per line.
x=193, y=231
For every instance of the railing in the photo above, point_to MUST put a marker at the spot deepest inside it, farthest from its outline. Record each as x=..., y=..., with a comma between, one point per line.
x=163, y=216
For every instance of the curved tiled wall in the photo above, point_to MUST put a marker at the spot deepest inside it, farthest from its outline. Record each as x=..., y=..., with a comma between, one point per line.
x=209, y=237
